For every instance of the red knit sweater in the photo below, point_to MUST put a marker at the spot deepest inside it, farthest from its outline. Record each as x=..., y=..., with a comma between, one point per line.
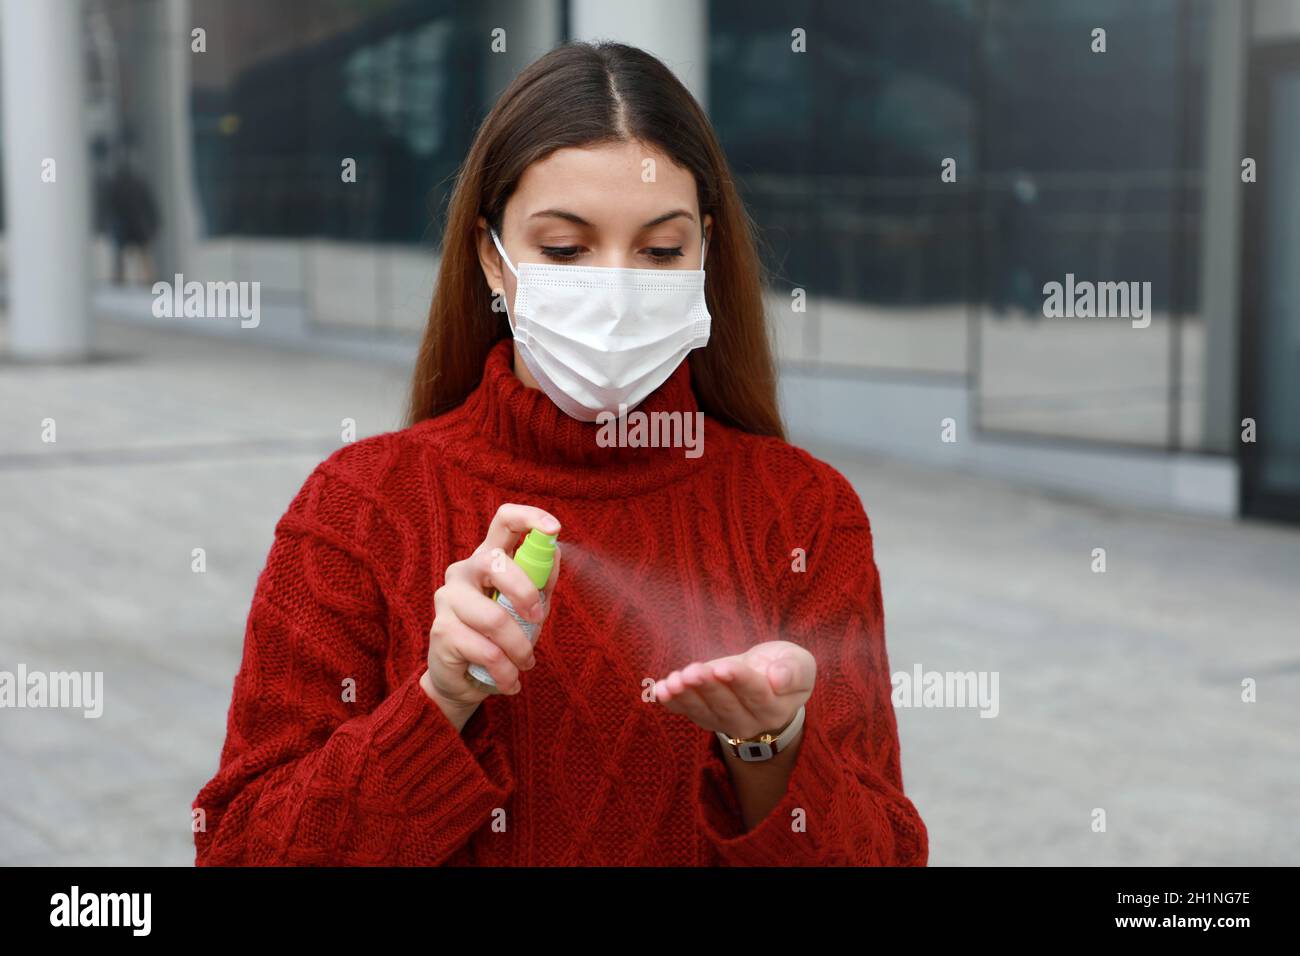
x=666, y=559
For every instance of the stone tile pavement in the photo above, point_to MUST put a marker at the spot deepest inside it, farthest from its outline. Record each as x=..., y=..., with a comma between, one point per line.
x=1118, y=690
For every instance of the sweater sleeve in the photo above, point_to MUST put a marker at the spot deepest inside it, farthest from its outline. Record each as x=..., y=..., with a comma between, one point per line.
x=844, y=803
x=309, y=773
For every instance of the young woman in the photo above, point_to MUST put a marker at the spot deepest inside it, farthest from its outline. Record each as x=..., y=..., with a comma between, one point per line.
x=715, y=586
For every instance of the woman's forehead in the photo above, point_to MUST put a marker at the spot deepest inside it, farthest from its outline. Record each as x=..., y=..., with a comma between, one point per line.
x=606, y=183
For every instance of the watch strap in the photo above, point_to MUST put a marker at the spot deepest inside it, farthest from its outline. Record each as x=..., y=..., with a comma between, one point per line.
x=764, y=746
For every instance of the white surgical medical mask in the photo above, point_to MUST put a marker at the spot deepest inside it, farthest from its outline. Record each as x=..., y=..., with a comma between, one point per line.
x=597, y=338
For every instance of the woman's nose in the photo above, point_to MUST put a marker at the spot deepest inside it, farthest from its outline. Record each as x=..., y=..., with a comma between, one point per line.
x=615, y=259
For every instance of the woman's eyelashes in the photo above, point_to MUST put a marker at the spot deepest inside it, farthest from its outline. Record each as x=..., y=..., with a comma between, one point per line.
x=655, y=254
x=561, y=253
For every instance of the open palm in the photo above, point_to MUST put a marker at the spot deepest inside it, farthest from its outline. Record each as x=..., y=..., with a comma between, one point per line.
x=745, y=694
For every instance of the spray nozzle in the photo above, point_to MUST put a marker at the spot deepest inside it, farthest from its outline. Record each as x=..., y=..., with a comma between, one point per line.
x=536, y=555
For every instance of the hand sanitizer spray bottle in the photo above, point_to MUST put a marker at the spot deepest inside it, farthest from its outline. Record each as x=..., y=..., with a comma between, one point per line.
x=536, y=556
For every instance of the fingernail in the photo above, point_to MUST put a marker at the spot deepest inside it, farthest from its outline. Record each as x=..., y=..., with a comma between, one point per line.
x=532, y=662
x=550, y=525
x=536, y=613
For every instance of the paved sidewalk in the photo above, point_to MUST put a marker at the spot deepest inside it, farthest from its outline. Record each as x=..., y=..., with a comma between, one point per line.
x=1118, y=691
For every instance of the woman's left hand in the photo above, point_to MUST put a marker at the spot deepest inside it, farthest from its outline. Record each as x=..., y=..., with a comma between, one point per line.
x=743, y=695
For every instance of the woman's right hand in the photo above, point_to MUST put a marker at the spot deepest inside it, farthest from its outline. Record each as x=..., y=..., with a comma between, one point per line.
x=471, y=628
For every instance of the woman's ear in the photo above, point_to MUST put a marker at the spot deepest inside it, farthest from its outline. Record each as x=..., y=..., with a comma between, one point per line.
x=488, y=258
x=707, y=224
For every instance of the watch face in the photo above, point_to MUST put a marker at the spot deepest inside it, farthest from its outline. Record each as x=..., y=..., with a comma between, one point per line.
x=755, y=751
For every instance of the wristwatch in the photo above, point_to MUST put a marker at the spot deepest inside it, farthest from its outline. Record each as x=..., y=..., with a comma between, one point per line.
x=764, y=746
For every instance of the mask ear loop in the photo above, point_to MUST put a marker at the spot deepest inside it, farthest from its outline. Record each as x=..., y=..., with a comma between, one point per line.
x=704, y=248
x=500, y=249
x=497, y=242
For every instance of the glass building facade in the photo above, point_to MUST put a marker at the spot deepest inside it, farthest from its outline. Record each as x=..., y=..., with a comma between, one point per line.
x=395, y=88
x=1063, y=160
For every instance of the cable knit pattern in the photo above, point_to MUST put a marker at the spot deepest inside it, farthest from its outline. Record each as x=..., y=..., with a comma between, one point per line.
x=666, y=559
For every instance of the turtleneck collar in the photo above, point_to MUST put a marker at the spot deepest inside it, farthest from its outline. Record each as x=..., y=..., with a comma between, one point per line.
x=506, y=430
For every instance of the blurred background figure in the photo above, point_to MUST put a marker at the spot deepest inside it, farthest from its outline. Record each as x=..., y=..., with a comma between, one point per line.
x=129, y=213
x=1013, y=234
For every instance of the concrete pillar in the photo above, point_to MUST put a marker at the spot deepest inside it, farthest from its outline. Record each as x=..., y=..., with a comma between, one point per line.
x=1275, y=20
x=47, y=224
x=1221, y=221
x=179, y=232
x=676, y=31
x=532, y=28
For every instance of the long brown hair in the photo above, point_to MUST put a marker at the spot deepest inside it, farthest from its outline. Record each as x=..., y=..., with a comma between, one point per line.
x=581, y=94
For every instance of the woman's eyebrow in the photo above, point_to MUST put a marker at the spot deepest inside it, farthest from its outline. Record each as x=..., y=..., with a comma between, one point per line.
x=676, y=213
x=560, y=214
x=578, y=220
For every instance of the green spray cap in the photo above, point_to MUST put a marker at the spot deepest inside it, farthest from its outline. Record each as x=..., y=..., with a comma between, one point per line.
x=537, y=556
